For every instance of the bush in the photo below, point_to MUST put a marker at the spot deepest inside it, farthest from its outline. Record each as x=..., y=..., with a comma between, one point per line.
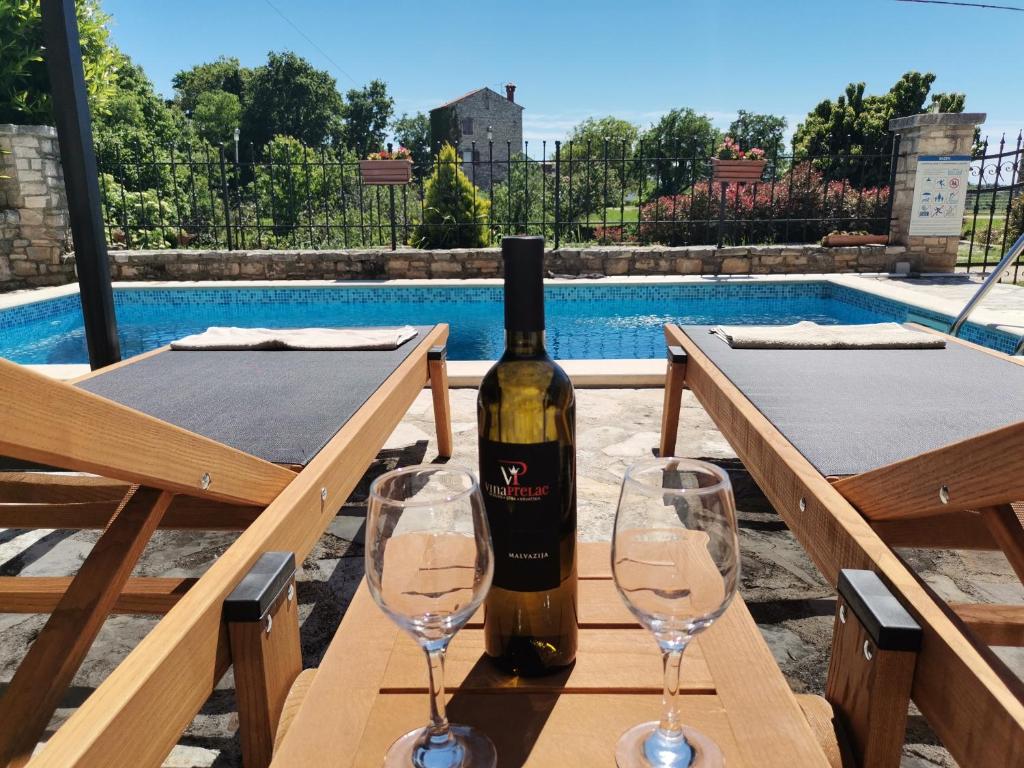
x=798, y=206
x=454, y=211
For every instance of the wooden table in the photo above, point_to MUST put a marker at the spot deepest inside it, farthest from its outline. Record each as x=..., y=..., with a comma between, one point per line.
x=371, y=688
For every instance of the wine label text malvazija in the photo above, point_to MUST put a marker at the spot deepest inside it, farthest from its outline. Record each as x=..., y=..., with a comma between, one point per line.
x=521, y=493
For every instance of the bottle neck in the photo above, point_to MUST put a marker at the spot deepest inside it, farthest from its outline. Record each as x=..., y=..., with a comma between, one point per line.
x=524, y=344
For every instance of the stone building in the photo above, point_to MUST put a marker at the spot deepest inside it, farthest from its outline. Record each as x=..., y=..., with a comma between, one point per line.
x=484, y=127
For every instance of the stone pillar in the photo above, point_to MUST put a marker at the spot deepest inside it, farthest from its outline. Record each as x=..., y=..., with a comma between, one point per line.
x=929, y=134
x=33, y=209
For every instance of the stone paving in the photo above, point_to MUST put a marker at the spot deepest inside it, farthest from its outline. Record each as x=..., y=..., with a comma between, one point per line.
x=793, y=606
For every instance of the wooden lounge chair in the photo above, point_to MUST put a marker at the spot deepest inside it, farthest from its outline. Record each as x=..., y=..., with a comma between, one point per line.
x=863, y=450
x=268, y=443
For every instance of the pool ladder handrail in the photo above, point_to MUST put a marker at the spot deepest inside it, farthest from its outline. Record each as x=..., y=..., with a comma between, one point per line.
x=1014, y=251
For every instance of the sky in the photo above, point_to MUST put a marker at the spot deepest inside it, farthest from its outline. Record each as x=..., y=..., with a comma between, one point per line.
x=573, y=60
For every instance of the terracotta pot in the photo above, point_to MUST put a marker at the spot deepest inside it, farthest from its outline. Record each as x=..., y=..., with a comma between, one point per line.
x=736, y=171
x=837, y=240
x=385, y=171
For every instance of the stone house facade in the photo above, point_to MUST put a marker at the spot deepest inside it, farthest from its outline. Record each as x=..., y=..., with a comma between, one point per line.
x=486, y=129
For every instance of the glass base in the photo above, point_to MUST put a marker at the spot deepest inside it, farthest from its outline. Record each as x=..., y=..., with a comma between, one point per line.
x=643, y=747
x=469, y=748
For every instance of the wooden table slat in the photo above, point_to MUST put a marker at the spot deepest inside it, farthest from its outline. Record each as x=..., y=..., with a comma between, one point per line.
x=626, y=660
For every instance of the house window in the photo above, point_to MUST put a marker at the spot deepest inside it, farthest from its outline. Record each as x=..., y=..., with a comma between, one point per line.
x=467, y=156
x=467, y=126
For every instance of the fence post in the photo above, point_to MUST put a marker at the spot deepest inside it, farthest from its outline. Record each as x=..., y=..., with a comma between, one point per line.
x=225, y=201
x=558, y=186
x=391, y=196
x=932, y=133
x=721, y=215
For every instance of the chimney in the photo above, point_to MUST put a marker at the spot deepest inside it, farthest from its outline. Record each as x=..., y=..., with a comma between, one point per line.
x=510, y=92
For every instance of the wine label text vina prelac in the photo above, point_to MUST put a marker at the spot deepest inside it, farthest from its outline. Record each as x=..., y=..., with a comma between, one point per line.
x=523, y=498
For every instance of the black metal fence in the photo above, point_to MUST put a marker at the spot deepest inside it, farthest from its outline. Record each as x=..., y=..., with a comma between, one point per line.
x=290, y=196
x=994, y=215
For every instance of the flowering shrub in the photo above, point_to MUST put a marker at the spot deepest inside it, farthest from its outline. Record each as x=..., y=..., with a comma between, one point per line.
x=730, y=150
x=396, y=154
x=798, y=206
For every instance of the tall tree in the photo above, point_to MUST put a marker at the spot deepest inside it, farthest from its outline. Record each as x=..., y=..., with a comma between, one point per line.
x=24, y=81
x=225, y=74
x=682, y=141
x=367, y=113
x=858, y=125
x=751, y=129
x=288, y=96
x=216, y=115
x=413, y=133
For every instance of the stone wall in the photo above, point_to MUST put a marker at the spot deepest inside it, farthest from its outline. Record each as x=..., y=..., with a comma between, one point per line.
x=33, y=209
x=486, y=262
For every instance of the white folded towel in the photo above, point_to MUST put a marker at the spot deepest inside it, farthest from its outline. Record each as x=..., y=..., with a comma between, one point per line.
x=296, y=338
x=809, y=335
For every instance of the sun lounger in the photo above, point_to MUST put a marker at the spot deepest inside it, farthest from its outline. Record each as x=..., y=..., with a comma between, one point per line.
x=267, y=442
x=863, y=450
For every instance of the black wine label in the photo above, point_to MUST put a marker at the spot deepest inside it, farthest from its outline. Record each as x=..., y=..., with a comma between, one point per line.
x=523, y=500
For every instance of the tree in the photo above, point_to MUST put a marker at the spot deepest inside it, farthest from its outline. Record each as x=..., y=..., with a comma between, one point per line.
x=595, y=183
x=751, y=129
x=225, y=74
x=858, y=125
x=413, y=133
x=135, y=127
x=454, y=211
x=682, y=141
x=588, y=138
x=289, y=96
x=367, y=112
x=216, y=115
x=24, y=81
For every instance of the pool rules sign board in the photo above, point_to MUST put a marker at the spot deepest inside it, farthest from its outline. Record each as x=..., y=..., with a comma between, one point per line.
x=940, y=190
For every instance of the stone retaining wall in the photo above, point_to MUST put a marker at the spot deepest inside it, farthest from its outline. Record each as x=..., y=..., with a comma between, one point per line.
x=33, y=209
x=486, y=262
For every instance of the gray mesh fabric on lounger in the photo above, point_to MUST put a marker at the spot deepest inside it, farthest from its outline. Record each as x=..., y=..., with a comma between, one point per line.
x=849, y=411
x=280, y=406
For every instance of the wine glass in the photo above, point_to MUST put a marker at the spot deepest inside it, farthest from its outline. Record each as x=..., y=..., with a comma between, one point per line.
x=429, y=563
x=675, y=559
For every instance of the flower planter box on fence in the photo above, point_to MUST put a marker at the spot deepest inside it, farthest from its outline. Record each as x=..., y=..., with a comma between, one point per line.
x=385, y=171
x=838, y=240
x=736, y=171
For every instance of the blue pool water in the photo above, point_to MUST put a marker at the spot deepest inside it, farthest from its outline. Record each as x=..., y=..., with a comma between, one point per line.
x=584, y=321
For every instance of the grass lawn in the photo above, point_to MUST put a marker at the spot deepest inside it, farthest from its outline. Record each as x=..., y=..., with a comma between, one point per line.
x=627, y=215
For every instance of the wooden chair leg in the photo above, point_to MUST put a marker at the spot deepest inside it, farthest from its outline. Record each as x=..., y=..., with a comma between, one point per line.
x=674, y=378
x=262, y=615
x=58, y=651
x=1006, y=529
x=874, y=648
x=437, y=365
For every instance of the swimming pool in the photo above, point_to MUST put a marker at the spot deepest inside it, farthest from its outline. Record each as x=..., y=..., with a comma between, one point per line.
x=585, y=321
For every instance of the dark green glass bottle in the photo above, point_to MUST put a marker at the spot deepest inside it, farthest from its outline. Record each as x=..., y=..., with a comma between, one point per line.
x=527, y=422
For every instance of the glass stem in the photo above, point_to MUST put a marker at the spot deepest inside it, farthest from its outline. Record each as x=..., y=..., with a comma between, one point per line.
x=670, y=727
x=438, y=728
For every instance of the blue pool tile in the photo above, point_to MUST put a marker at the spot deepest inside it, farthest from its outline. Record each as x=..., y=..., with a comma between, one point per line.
x=584, y=320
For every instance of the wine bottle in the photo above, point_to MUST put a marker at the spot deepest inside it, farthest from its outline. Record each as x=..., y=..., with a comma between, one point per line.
x=527, y=420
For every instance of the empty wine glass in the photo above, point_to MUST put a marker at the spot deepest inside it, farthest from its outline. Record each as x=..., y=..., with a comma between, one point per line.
x=675, y=559
x=429, y=563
